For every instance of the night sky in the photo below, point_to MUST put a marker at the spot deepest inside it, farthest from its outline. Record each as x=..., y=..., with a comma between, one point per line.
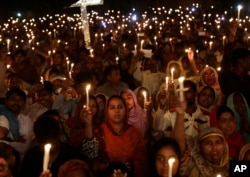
x=9, y=7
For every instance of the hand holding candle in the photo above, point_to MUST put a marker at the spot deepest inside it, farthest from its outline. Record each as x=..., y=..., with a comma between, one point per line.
x=170, y=166
x=87, y=95
x=47, y=148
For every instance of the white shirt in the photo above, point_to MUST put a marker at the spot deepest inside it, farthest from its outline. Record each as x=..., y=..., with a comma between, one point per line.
x=193, y=123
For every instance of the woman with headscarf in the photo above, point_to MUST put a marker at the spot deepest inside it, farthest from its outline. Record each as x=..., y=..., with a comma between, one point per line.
x=204, y=155
x=210, y=154
x=136, y=115
x=209, y=76
x=119, y=141
x=237, y=102
x=226, y=122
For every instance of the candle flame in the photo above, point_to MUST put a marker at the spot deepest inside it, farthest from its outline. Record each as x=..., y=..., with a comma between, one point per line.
x=171, y=161
x=88, y=87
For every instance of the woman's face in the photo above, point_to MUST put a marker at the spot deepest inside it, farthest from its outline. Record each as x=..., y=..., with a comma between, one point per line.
x=239, y=104
x=93, y=106
x=227, y=123
x=209, y=77
x=116, y=111
x=129, y=100
x=206, y=98
x=161, y=161
x=212, y=149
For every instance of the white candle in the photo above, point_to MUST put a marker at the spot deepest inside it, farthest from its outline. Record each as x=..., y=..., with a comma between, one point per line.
x=68, y=65
x=181, y=86
x=166, y=78
x=210, y=45
x=239, y=8
x=223, y=40
x=142, y=41
x=47, y=148
x=219, y=175
x=172, y=75
x=170, y=166
x=117, y=60
x=72, y=65
x=8, y=66
x=87, y=95
x=145, y=98
x=8, y=45
x=41, y=80
x=70, y=74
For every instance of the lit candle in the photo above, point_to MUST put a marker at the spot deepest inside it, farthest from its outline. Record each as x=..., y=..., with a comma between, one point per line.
x=70, y=74
x=239, y=8
x=117, y=60
x=68, y=65
x=145, y=98
x=172, y=74
x=142, y=41
x=72, y=66
x=170, y=166
x=8, y=66
x=8, y=44
x=41, y=80
x=124, y=45
x=47, y=148
x=181, y=86
x=87, y=95
x=223, y=40
x=210, y=45
x=166, y=78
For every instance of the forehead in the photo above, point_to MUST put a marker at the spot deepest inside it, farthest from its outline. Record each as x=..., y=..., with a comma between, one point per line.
x=212, y=138
x=114, y=101
x=208, y=70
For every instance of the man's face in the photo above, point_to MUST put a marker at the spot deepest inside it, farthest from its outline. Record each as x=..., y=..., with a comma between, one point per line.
x=15, y=103
x=114, y=76
x=19, y=58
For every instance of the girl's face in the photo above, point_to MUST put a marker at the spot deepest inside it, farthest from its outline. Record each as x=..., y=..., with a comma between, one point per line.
x=93, y=106
x=239, y=104
x=212, y=149
x=227, y=123
x=116, y=111
x=209, y=77
x=129, y=100
x=161, y=161
x=206, y=98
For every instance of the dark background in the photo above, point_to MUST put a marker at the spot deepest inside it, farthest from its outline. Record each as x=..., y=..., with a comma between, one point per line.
x=36, y=7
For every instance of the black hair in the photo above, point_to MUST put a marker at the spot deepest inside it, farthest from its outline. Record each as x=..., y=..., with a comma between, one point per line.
x=20, y=51
x=46, y=128
x=47, y=86
x=163, y=142
x=84, y=76
x=115, y=166
x=190, y=84
x=223, y=109
x=109, y=69
x=17, y=91
x=239, y=54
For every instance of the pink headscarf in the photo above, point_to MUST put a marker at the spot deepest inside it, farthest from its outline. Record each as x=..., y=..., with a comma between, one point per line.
x=137, y=116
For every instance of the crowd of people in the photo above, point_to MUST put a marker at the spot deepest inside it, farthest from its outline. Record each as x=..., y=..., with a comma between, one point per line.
x=119, y=107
